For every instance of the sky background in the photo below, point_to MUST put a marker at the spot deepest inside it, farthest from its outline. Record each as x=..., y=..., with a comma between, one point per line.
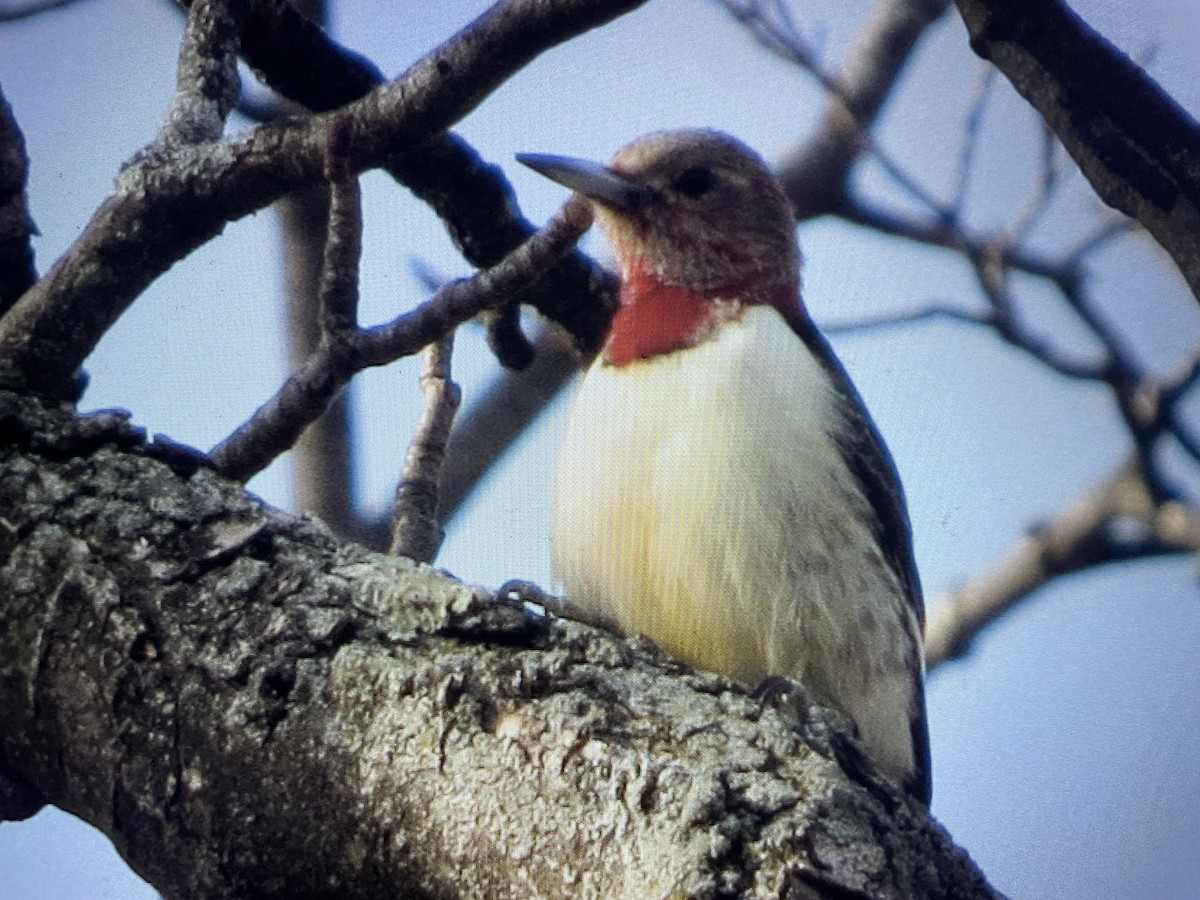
x=1066, y=747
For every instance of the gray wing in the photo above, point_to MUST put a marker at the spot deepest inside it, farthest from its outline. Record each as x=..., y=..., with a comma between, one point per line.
x=872, y=465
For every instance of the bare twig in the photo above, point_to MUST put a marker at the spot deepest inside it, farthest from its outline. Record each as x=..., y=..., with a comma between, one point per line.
x=941, y=232
x=323, y=457
x=1052, y=171
x=815, y=175
x=274, y=427
x=1120, y=520
x=416, y=529
x=1139, y=149
x=972, y=129
x=17, y=271
x=11, y=12
x=1115, y=226
x=919, y=316
x=207, y=85
x=994, y=283
x=338, y=293
x=1155, y=403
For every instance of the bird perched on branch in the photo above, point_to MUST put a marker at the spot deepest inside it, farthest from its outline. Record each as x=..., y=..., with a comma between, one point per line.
x=721, y=489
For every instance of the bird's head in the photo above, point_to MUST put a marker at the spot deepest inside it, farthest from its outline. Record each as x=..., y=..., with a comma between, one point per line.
x=696, y=220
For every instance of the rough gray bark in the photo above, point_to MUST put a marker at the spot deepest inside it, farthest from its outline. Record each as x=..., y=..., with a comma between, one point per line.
x=249, y=707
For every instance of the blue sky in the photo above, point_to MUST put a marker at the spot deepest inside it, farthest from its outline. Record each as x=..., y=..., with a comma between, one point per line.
x=1067, y=746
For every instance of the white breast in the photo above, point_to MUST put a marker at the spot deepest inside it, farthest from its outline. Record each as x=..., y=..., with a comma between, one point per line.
x=699, y=500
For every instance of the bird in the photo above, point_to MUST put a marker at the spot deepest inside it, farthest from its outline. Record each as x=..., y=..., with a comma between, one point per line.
x=720, y=486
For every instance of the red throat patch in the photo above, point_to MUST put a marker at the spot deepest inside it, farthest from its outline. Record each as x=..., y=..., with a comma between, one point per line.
x=655, y=318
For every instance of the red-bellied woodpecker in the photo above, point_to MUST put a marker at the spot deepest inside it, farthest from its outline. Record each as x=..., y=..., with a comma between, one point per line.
x=721, y=488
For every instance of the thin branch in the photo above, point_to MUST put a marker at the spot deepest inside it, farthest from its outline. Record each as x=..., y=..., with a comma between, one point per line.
x=505, y=337
x=17, y=272
x=11, y=12
x=1052, y=171
x=463, y=299
x=207, y=85
x=941, y=233
x=921, y=315
x=972, y=129
x=169, y=203
x=773, y=27
x=1186, y=376
x=337, y=296
x=1120, y=520
x=275, y=426
x=474, y=200
x=1115, y=226
x=1159, y=401
x=416, y=529
x=1139, y=149
x=478, y=208
x=322, y=459
x=992, y=277
x=815, y=175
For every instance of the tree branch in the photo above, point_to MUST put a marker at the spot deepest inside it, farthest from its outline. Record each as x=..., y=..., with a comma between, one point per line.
x=1139, y=149
x=815, y=175
x=1120, y=520
x=171, y=201
x=276, y=425
x=474, y=200
x=416, y=528
x=11, y=12
x=17, y=272
x=207, y=86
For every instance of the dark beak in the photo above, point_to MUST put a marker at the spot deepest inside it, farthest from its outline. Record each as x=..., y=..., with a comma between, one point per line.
x=594, y=181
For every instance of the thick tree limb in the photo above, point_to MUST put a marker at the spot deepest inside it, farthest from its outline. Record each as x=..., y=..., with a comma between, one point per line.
x=174, y=199
x=1139, y=149
x=248, y=707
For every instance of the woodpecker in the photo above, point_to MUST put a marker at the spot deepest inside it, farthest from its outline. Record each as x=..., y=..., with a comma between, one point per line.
x=721, y=488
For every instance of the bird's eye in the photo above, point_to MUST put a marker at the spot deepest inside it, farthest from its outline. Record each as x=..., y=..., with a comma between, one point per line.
x=695, y=182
